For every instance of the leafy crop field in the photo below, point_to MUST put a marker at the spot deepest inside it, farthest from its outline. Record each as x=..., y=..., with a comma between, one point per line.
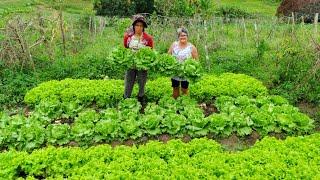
x=86, y=113
x=252, y=111
x=295, y=157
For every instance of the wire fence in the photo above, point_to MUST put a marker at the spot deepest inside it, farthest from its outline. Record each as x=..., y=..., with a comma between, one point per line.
x=25, y=38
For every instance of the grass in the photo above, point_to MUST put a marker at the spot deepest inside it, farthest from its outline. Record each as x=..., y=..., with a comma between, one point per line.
x=264, y=8
x=12, y=7
x=15, y=3
x=258, y=7
x=70, y=6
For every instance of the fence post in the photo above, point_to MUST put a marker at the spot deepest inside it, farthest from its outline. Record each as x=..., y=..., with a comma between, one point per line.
x=316, y=19
x=293, y=21
x=206, y=47
x=62, y=33
x=256, y=33
x=244, y=29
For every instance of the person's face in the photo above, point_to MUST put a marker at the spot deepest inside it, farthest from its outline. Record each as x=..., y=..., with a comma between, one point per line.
x=183, y=37
x=138, y=27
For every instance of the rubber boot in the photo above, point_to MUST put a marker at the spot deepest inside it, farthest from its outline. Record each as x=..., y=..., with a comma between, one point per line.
x=175, y=93
x=142, y=100
x=184, y=91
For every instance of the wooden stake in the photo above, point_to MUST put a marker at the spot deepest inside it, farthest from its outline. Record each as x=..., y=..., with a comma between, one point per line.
x=62, y=33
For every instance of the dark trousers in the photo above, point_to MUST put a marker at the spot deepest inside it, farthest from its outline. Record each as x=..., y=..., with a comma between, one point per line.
x=130, y=78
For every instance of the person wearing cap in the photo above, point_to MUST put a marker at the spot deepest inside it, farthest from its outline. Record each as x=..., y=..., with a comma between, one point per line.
x=182, y=50
x=136, y=38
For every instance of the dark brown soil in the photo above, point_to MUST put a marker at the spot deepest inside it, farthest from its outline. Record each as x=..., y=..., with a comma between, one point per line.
x=235, y=143
x=73, y=144
x=281, y=136
x=63, y=121
x=144, y=140
x=26, y=111
x=164, y=138
x=252, y=138
x=313, y=111
x=116, y=143
x=208, y=109
x=232, y=142
x=186, y=138
x=129, y=142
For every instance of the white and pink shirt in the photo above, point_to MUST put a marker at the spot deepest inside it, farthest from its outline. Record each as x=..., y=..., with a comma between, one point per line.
x=182, y=54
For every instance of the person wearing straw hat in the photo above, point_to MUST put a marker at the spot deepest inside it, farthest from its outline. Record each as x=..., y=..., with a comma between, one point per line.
x=136, y=38
x=182, y=50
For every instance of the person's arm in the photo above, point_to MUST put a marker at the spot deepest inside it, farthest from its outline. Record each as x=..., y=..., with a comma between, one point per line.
x=170, y=49
x=127, y=34
x=125, y=40
x=149, y=40
x=194, y=53
x=151, y=44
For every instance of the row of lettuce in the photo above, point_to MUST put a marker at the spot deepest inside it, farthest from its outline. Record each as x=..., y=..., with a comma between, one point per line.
x=108, y=93
x=63, y=124
x=293, y=158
